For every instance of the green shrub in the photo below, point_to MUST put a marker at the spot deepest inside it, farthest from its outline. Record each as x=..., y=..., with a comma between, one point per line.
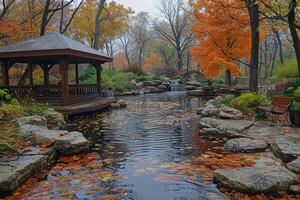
x=5, y=97
x=141, y=78
x=288, y=70
x=246, y=102
x=287, y=87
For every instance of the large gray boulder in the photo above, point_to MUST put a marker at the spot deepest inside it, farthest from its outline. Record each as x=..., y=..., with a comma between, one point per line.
x=162, y=87
x=210, y=111
x=15, y=172
x=55, y=120
x=190, y=87
x=28, y=130
x=224, y=128
x=196, y=92
x=256, y=179
x=246, y=145
x=47, y=137
x=31, y=120
x=286, y=148
x=230, y=113
x=294, y=166
x=72, y=143
x=64, y=142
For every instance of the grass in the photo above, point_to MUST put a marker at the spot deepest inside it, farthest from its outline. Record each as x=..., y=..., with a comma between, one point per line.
x=10, y=138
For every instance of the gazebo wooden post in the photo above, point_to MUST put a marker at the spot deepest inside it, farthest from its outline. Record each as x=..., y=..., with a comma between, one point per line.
x=46, y=73
x=98, y=75
x=76, y=74
x=5, y=76
x=64, y=81
x=30, y=77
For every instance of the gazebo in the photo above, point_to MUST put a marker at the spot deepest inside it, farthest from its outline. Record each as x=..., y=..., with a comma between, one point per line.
x=48, y=51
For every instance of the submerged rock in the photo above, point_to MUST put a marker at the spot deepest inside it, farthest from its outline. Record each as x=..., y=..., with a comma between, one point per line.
x=122, y=103
x=256, y=179
x=246, y=145
x=294, y=166
x=286, y=148
x=294, y=189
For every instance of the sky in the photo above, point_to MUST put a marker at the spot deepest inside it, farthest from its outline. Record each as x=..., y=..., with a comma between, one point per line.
x=149, y=6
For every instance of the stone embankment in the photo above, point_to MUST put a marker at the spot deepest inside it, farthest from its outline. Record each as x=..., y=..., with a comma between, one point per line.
x=248, y=136
x=47, y=139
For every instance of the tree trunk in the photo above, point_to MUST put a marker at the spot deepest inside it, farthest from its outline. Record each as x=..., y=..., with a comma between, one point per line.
x=98, y=24
x=254, y=22
x=280, y=46
x=179, y=59
x=45, y=18
x=228, y=80
x=293, y=30
x=61, y=17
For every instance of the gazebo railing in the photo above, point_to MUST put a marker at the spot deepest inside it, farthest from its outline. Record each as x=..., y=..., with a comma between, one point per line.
x=87, y=89
x=53, y=94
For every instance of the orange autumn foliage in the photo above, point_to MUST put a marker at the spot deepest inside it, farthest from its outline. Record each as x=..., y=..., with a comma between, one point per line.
x=120, y=61
x=153, y=63
x=223, y=33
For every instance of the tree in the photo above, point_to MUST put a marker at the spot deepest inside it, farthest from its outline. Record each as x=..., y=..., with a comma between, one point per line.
x=125, y=42
x=100, y=8
x=51, y=7
x=113, y=22
x=175, y=27
x=6, y=6
x=65, y=21
x=141, y=34
x=253, y=7
x=223, y=35
x=153, y=64
x=286, y=11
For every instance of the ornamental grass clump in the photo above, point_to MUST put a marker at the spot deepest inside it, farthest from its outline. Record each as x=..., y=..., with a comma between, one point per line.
x=10, y=109
x=246, y=103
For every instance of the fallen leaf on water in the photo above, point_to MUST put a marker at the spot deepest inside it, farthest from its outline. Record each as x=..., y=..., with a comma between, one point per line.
x=166, y=178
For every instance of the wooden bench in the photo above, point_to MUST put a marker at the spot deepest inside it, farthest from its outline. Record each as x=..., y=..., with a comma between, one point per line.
x=279, y=106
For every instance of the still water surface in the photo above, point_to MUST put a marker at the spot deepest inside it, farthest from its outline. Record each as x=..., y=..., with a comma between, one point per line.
x=139, y=148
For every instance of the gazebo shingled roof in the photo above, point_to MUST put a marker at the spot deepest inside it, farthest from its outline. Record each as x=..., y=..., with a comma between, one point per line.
x=51, y=45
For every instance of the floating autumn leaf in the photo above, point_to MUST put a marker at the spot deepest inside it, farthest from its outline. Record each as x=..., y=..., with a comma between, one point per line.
x=167, y=178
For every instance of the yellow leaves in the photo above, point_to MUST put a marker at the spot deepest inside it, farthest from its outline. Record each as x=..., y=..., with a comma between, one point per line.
x=83, y=25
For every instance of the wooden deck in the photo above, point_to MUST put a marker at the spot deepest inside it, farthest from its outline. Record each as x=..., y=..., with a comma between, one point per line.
x=84, y=107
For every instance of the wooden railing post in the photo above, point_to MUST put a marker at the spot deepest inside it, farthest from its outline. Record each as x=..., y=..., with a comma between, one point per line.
x=64, y=81
x=46, y=74
x=99, y=69
x=76, y=74
x=30, y=76
x=5, y=76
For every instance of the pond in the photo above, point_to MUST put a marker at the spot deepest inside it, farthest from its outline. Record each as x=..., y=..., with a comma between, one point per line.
x=144, y=151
